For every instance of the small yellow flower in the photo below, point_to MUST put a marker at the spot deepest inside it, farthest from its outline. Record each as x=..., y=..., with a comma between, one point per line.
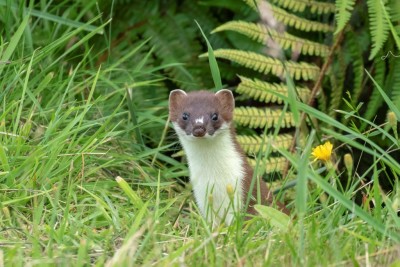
x=392, y=120
x=348, y=162
x=230, y=191
x=323, y=152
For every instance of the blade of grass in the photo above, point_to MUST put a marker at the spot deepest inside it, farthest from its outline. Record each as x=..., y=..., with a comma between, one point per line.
x=342, y=199
x=135, y=199
x=24, y=89
x=103, y=205
x=213, y=62
x=389, y=160
x=54, y=18
x=301, y=186
x=16, y=200
x=132, y=111
x=292, y=96
x=13, y=43
x=389, y=102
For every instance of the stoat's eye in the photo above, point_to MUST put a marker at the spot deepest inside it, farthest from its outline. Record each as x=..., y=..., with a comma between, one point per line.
x=214, y=117
x=185, y=116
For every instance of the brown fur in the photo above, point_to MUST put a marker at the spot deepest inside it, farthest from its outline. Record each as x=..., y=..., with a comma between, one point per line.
x=265, y=194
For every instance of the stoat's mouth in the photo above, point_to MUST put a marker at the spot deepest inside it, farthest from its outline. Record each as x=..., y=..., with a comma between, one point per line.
x=192, y=137
x=199, y=131
x=202, y=136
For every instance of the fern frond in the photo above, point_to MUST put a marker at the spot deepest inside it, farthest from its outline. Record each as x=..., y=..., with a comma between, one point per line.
x=378, y=25
x=392, y=21
x=376, y=99
x=292, y=20
x=263, y=117
x=260, y=33
x=357, y=63
x=337, y=80
x=268, y=65
x=396, y=90
x=251, y=144
x=301, y=5
x=395, y=10
x=343, y=13
x=253, y=4
x=272, y=164
x=393, y=81
x=267, y=92
x=171, y=48
x=322, y=101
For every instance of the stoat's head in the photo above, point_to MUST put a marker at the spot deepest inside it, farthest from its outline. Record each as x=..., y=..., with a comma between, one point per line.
x=201, y=114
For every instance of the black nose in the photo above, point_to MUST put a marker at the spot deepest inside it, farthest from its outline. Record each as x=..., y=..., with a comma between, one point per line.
x=199, y=131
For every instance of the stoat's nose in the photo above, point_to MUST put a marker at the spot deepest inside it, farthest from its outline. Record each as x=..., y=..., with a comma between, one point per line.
x=199, y=131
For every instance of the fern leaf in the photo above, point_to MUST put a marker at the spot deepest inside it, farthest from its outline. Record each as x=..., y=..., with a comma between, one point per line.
x=396, y=88
x=393, y=81
x=260, y=33
x=268, y=92
x=253, y=4
x=343, y=13
x=268, y=65
x=301, y=5
x=379, y=26
x=251, y=144
x=172, y=48
x=392, y=20
x=292, y=20
x=261, y=118
x=300, y=23
x=357, y=63
x=322, y=101
x=272, y=164
x=337, y=80
x=376, y=99
x=395, y=10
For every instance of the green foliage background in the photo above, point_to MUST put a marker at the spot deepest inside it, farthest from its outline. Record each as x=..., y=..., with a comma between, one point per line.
x=91, y=174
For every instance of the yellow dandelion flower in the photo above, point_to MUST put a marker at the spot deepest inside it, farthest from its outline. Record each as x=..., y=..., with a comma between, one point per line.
x=323, y=152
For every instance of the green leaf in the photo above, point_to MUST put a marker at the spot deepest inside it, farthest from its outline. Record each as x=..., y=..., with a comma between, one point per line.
x=13, y=43
x=379, y=26
x=292, y=99
x=389, y=102
x=213, y=62
x=343, y=13
x=302, y=181
x=275, y=217
x=135, y=199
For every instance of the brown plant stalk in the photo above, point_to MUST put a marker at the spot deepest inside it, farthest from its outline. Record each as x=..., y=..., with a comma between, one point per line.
x=314, y=92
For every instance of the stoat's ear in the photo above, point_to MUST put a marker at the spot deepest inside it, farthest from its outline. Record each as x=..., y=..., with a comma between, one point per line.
x=226, y=99
x=175, y=98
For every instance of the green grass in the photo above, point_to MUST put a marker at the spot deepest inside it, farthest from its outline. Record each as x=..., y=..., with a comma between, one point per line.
x=86, y=176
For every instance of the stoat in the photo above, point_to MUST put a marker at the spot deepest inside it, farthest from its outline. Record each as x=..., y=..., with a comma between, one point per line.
x=219, y=172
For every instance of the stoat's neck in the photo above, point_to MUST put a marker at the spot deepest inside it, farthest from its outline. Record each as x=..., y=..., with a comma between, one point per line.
x=216, y=164
x=218, y=153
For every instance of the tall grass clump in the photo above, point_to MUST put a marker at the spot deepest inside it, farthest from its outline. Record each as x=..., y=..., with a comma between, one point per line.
x=68, y=128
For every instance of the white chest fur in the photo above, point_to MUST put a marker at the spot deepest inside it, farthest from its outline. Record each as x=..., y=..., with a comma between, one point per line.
x=215, y=165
